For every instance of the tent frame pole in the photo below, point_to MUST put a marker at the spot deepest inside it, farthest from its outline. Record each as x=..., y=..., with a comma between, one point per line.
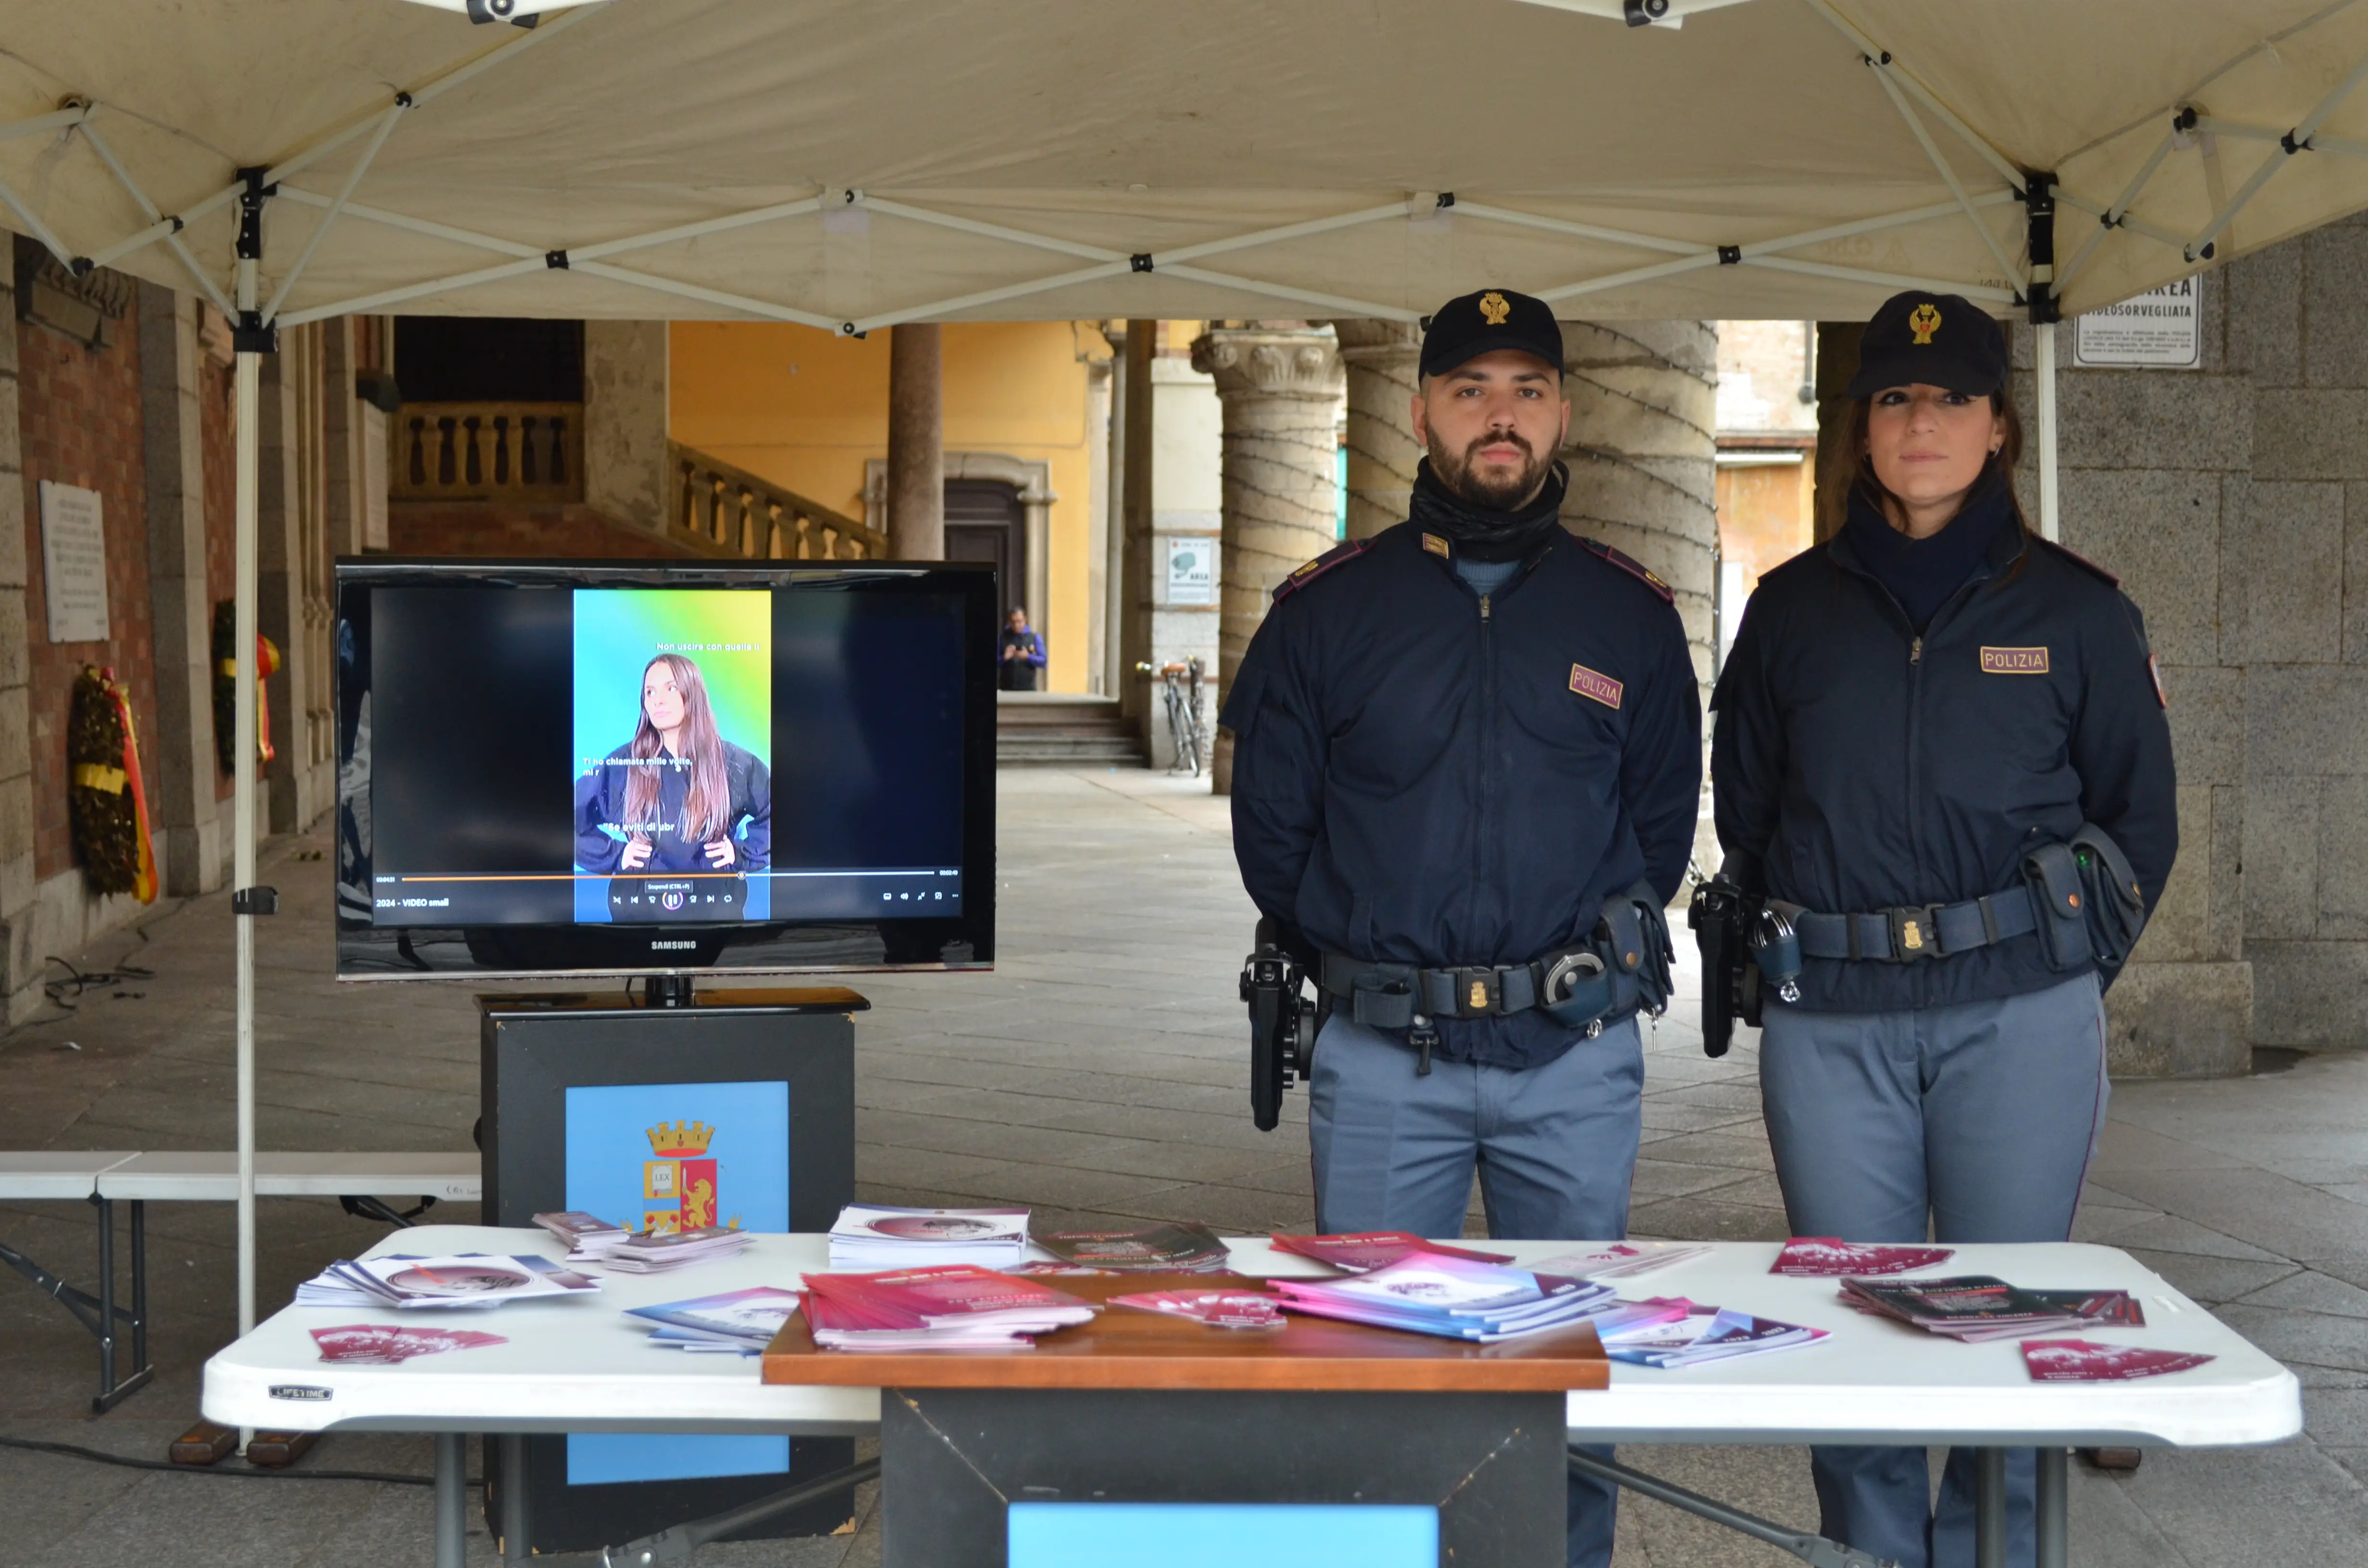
x=250, y=342
x=2046, y=311
x=160, y=227
x=2298, y=140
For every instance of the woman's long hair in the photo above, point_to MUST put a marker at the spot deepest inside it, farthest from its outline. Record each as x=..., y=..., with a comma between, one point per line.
x=1846, y=470
x=706, y=806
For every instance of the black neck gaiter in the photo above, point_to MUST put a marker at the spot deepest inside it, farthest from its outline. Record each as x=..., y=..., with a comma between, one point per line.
x=1922, y=573
x=1483, y=533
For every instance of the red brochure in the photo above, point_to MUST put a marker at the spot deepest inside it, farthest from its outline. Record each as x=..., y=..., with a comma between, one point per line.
x=1818, y=1257
x=953, y=1293
x=2082, y=1361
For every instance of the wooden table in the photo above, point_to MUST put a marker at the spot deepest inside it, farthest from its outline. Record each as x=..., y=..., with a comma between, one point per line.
x=1139, y=1422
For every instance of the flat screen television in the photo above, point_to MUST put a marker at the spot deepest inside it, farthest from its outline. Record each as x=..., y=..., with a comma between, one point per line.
x=551, y=768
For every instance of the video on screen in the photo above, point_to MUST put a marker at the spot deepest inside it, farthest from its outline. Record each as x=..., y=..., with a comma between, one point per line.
x=674, y=741
x=657, y=756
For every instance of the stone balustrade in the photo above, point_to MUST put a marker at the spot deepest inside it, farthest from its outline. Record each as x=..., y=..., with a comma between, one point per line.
x=722, y=510
x=487, y=451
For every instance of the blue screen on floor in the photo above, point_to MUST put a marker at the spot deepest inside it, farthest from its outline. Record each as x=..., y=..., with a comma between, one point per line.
x=1221, y=1535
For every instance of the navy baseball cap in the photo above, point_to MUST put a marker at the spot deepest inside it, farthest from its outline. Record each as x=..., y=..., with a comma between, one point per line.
x=1937, y=340
x=1473, y=324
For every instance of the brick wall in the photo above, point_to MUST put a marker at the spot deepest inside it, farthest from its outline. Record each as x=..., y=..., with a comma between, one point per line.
x=80, y=424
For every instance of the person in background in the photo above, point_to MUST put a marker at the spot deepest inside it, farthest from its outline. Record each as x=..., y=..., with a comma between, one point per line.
x=1022, y=652
x=1939, y=751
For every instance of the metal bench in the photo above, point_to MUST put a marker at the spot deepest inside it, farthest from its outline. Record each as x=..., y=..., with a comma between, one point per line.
x=105, y=1177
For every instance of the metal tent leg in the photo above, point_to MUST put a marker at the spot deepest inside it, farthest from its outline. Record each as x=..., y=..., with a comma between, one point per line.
x=2054, y=1511
x=452, y=1500
x=1990, y=1508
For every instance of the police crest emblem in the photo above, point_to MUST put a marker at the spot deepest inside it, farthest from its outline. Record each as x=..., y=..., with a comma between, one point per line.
x=1494, y=308
x=1924, y=321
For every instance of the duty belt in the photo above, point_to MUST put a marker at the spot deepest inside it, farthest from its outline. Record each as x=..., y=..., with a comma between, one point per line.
x=1910, y=932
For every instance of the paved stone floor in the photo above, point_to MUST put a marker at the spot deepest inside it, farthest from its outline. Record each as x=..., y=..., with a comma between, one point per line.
x=1098, y=1071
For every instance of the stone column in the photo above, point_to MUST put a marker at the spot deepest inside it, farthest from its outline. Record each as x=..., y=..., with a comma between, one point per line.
x=625, y=473
x=1279, y=387
x=1134, y=602
x=1099, y=378
x=916, y=452
x=1382, y=357
x=179, y=756
x=20, y=962
x=1644, y=463
x=1644, y=455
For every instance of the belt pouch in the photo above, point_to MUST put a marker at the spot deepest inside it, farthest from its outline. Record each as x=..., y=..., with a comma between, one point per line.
x=2116, y=908
x=2060, y=902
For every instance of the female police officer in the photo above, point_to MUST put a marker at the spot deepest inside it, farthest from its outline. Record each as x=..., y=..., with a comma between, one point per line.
x=1940, y=752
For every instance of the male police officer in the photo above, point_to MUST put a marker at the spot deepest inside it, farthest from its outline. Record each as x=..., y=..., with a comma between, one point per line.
x=1467, y=757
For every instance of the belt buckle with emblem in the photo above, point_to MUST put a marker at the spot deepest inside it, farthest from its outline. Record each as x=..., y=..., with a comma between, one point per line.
x=1914, y=934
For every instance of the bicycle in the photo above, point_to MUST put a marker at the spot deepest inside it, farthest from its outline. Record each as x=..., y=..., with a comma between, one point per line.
x=1179, y=681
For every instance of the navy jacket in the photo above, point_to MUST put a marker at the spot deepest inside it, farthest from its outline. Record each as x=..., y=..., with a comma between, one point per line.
x=1858, y=766
x=1423, y=777
x=600, y=830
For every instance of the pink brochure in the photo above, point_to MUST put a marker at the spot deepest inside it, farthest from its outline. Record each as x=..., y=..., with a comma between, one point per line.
x=1820, y=1257
x=2084, y=1362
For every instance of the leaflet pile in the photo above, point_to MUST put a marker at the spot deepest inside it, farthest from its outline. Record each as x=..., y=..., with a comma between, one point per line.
x=458, y=1279
x=875, y=1236
x=953, y=1308
x=1457, y=1297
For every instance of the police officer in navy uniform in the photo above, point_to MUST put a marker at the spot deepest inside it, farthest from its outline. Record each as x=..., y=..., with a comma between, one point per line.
x=1466, y=771
x=1940, y=756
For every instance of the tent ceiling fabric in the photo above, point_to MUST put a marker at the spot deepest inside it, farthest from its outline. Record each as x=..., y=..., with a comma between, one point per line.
x=1106, y=128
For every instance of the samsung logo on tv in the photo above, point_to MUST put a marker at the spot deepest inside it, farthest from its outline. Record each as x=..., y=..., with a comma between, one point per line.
x=674, y=945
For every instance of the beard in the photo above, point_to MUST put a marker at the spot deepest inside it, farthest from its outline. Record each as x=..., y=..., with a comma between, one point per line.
x=1496, y=492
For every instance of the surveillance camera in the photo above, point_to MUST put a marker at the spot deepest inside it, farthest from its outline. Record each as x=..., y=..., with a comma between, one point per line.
x=1644, y=13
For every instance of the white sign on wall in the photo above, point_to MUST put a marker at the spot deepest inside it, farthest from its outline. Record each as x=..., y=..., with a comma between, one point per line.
x=74, y=563
x=1191, y=571
x=2161, y=329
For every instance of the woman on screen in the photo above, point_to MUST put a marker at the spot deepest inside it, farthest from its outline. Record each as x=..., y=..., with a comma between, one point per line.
x=677, y=796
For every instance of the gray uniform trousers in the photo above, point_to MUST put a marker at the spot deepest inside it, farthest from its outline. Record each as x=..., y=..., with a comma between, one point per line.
x=1981, y=1115
x=1555, y=1147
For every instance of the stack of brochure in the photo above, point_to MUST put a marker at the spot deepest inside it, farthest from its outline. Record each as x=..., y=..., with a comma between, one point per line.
x=953, y=1308
x=644, y=1253
x=1187, y=1247
x=458, y=1279
x=1977, y=1307
x=1813, y=1256
x=875, y=1236
x=1675, y=1332
x=736, y=1323
x=1359, y=1251
x=1429, y=1293
x=1618, y=1260
x=589, y=1239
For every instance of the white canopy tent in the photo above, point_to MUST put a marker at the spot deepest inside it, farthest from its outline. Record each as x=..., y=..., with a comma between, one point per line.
x=850, y=165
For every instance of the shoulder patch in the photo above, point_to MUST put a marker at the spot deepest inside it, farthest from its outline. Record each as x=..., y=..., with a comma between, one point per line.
x=1300, y=578
x=2083, y=562
x=1631, y=565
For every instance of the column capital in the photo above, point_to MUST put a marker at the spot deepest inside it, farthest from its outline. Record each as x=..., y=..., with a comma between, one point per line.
x=1379, y=344
x=1257, y=362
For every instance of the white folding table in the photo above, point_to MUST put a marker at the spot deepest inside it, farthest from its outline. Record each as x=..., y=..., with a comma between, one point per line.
x=581, y=1365
x=104, y=1177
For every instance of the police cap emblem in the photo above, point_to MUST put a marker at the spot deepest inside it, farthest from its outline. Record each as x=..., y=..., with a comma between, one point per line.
x=1494, y=308
x=1924, y=321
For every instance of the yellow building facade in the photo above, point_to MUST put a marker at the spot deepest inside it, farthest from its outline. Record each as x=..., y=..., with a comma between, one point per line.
x=809, y=411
